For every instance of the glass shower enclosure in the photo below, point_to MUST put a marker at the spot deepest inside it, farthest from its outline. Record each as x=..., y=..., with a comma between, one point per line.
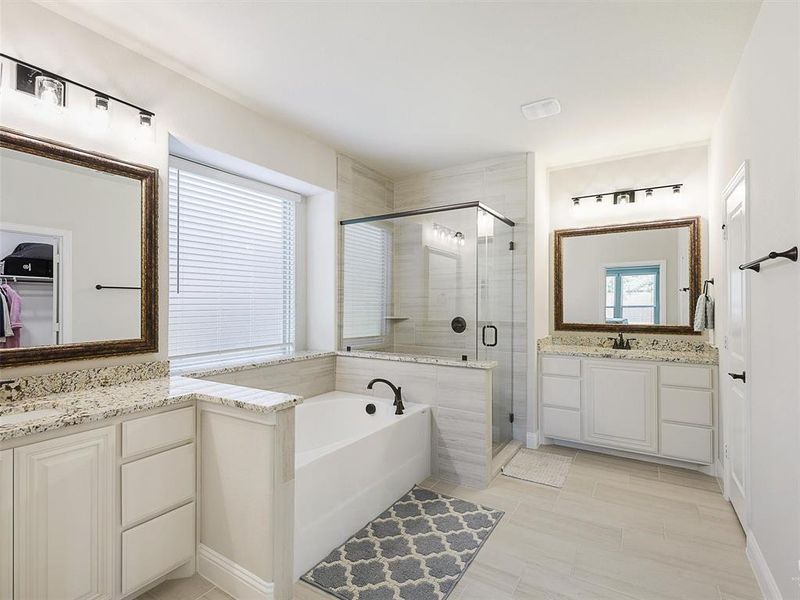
x=437, y=282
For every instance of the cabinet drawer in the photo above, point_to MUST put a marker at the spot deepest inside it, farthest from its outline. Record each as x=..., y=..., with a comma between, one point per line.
x=562, y=423
x=684, y=376
x=561, y=365
x=685, y=442
x=156, y=483
x=157, y=547
x=686, y=406
x=561, y=391
x=157, y=431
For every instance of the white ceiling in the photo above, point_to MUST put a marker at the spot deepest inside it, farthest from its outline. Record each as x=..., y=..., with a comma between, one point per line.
x=407, y=87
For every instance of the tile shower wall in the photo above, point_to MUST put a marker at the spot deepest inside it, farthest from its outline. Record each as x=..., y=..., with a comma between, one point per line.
x=501, y=184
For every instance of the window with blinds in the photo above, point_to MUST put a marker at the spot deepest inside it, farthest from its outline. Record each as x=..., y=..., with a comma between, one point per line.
x=367, y=260
x=231, y=266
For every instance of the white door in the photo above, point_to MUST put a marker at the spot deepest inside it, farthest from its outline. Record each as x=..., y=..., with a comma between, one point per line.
x=736, y=409
x=6, y=524
x=620, y=408
x=63, y=523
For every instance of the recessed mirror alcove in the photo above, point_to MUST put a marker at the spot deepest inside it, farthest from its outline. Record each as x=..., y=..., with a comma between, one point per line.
x=78, y=252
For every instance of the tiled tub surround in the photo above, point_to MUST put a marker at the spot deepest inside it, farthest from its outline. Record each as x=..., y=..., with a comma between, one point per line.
x=126, y=465
x=460, y=399
x=663, y=350
x=350, y=465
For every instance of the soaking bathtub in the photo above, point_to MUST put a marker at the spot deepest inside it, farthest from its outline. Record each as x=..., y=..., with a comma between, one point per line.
x=350, y=466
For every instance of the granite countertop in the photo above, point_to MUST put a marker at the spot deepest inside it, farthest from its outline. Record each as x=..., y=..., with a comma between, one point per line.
x=705, y=355
x=100, y=403
x=420, y=359
x=267, y=362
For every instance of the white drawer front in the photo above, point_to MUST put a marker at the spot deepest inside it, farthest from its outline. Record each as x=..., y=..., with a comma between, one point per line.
x=156, y=483
x=562, y=423
x=685, y=376
x=686, y=406
x=157, y=547
x=561, y=391
x=157, y=431
x=687, y=443
x=561, y=365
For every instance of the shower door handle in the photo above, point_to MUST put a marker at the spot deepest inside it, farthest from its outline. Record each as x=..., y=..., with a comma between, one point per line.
x=483, y=336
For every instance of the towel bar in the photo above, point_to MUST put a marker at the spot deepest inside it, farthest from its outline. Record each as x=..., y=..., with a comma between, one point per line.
x=755, y=265
x=115, y=287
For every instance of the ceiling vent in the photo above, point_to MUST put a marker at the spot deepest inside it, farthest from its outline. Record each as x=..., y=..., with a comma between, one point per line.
x=547, y=107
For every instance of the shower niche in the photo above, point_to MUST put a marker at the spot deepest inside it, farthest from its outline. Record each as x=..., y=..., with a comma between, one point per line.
x=434, y=282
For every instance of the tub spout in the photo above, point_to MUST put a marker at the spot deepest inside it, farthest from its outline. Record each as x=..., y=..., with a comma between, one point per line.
x=398, y=394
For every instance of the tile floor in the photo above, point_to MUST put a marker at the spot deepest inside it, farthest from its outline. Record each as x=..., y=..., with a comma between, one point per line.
x=619, y=529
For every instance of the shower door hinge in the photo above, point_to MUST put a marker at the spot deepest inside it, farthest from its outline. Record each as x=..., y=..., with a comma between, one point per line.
x=511, y=415
x=510, y=245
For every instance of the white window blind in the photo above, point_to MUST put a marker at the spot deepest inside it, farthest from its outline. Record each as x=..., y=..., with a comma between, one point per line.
x=367, y=259
x=232, y=267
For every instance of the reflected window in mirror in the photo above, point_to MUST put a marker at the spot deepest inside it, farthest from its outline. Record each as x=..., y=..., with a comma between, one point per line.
x=632, y=295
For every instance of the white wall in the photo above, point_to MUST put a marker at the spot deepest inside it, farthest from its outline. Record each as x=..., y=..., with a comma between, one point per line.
x=759, y=123
x=183, y=108
x=688, y=166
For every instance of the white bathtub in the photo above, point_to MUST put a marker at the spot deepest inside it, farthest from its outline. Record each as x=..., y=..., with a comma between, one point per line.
x=350, y=466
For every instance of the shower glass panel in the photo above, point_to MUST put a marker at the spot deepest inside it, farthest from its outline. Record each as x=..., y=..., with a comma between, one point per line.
x=495, y=319
x=434, y=282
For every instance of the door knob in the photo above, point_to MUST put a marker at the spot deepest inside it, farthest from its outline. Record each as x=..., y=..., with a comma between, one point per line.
x=742, y=376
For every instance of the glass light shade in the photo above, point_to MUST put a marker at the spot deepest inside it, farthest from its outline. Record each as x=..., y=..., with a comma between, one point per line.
x=49, y=90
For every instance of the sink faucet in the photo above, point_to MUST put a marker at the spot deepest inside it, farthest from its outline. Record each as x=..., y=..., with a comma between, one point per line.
x=398, y=394
x=620, y=343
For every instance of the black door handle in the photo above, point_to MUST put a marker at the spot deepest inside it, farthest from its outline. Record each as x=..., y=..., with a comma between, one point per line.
x=483, y=336
x=742, y=376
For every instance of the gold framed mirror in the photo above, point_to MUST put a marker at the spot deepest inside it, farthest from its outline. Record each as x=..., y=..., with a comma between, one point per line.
x=78, y=253
x=635, y=277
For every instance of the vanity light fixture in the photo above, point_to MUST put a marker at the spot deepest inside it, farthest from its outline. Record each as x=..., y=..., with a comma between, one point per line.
x=628, y=196
x=101, y=102
x=51, y=89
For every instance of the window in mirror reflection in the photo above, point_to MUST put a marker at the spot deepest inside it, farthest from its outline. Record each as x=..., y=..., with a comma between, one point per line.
x=632, y=295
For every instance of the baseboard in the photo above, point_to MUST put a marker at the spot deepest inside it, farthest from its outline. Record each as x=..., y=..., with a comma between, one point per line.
x=230, y=577
x=769, y=587
x=532, y=439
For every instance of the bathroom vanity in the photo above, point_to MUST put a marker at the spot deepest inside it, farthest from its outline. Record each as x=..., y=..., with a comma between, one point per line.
x=106, y=491
x=657, y=402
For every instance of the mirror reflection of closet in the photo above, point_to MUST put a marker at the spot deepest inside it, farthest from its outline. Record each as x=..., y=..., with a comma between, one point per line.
x=32, y=267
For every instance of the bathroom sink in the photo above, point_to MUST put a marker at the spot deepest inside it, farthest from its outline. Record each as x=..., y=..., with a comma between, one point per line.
x=17, y=417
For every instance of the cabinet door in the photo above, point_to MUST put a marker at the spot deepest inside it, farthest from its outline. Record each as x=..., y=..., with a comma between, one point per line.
x=6, y=524
x=63, y=518
x=620, y=405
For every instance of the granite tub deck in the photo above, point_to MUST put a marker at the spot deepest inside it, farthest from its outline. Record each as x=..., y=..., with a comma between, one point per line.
x=95, y=404
x=676, y=351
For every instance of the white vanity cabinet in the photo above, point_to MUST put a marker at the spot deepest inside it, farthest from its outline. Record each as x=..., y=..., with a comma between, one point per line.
x=99, y=514
x=648, y=407
x=620, y=405
x=6, y=524
x=63, y=518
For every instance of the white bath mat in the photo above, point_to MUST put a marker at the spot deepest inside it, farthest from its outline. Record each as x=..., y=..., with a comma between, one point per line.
x=539, y=467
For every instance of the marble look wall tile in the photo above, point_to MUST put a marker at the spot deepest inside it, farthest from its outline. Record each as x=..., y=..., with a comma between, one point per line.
x=32, y=386
x=463, y=389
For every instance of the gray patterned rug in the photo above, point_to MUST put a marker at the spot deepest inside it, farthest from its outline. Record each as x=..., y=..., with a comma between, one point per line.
x=417, y=549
